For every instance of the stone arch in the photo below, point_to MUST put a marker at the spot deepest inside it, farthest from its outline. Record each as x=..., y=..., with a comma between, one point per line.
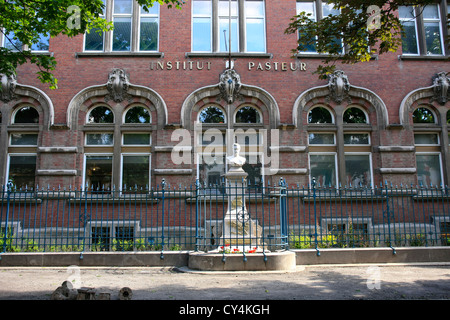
x=98, y=94
x=248, y=94
x=351, y=95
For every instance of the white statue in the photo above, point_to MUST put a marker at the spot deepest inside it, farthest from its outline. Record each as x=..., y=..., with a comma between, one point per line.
x=236, y=160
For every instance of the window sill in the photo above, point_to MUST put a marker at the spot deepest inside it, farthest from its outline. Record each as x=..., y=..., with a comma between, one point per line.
x=423, y=57
x=127, y=54
x=226, y=55
x=325, y=56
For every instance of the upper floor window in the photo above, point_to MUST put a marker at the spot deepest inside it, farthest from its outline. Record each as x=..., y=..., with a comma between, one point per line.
x=26, y=115
x=228, y=25
x=100, y=115
x=316, y=11
x=320, y=115
x=135, y=29
x=11, y=42
x=422, y=29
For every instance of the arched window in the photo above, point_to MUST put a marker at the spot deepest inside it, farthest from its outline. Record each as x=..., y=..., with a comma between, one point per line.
x=26, y=114
x=354, y=115
x=100, y=115
x=248, y=114
x=423, y=115
x=211, y=115
x=137, y=115
x=320, y=115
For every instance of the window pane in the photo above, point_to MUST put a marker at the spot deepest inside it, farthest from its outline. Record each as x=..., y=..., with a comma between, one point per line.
x=252, y=167
x=211, y=115
x=323, y=168
x=202, y=7
x=100, y=139
x=122, y=34
x=98, y=172
x=357, y=168
x=224, y=8
x=433, y=37
x=224, y=35
x=254, y=8
x=201, y=34
x=354, y=115
x=22, y=171
x=136, y=139
x=11, y=43
x=42, y=44
x=148, y=35
x=255, y=35
x=321, y=138
x=423, y=115
x=426, y=139
x=248, y=115
x=406, y=12
x=93, y=41
x=151, y=10
x=26, y=115
x=319, y=115
x=136, y=172
x=409, y=38
x=100, y=237
x=428, y=170
x=123, y=6
x=431, y=11
x=212, y=137
x=329, y=10
x=24, y=139
x=356, y=138
x=137, y=115
x=101, y=115
x=211, y=169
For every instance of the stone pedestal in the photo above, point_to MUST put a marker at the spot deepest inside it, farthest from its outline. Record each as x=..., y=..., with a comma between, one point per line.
x=239, y=232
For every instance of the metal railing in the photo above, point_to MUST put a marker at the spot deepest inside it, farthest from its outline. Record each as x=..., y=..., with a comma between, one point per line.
x=195, y=218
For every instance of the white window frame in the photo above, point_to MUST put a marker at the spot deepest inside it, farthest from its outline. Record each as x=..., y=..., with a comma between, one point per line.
x=318, y=144
x=22, y=145
x=263, y=18
x=147, y=15
x=440, y=163
x=125, y=154
x=358, y=145
x=211, y=30
x=8, y=163
x=109, y=154
x=369, y=154
x=98, y=145
x=336, y=169
x=136, y=145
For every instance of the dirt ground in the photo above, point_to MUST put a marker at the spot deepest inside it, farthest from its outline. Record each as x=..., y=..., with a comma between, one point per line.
x=332, y=282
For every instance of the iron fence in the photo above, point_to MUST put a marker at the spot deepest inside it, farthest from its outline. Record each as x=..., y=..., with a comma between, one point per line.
x=198, y=217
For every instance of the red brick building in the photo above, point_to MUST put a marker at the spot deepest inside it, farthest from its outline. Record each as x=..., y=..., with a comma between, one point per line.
x=142, y=102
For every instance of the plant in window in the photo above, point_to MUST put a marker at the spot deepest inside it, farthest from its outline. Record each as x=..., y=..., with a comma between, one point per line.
x=248, y=115
x=211, y=115
x=101, y=115
x=320, y=115
x=137, y=115
x=423, y=115
x=354, y=115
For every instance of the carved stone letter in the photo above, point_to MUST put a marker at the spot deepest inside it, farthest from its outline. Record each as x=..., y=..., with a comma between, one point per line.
x=117, y=86
x=8, y=86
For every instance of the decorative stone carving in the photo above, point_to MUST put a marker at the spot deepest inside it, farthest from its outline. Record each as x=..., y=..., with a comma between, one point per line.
x=339, y=87
x=229, y=85
x=8, y=87
x=117, y=86
x=441, y=83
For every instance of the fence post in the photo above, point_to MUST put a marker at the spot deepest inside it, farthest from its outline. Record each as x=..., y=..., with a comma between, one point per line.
x=315, y=215
x=197, y=186
x=8, y=197
x=163, y=190
x=283, y=215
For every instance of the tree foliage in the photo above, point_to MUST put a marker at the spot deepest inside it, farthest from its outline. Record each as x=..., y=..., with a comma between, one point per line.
x=28, y=20
x=362, y=31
